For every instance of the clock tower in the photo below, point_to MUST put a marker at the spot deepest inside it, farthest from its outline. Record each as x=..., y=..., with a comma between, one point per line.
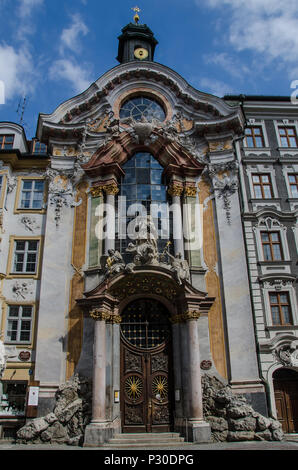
x=136, y=42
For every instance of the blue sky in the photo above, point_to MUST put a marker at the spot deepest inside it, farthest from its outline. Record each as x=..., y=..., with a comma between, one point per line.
x=51, y=50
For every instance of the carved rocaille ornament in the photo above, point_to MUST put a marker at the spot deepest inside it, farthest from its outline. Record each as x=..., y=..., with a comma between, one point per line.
x=143, y=285
x=103, y=315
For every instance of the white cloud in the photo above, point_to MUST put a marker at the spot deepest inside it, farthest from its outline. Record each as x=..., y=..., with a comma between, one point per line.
x=266, y=27
x=67, y=69
x=26, y=7
x=228, y=63
x=16, y=71
x=70, y=36
x=214, y=86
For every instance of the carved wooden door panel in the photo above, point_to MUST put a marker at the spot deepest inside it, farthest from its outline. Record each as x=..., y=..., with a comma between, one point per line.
x=146, y=392
x=286, y=401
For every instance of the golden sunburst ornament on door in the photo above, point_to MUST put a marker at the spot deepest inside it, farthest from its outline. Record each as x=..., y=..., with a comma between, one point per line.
x=160, y=387
x=133, y=387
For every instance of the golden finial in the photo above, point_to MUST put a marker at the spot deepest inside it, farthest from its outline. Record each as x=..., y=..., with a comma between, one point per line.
x=136, y=17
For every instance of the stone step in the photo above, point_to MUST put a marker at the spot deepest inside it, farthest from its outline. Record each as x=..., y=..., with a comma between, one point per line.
x=148, y=435
x=145, y=439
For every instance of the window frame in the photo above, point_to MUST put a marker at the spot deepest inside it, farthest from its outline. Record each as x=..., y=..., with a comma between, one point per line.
x=2, y=141
x=18, y=199
x=11, y=258
x=278, y=294
x=32, y=192
x=19, y=319
x=286, y=128
x=293, y=184
x=271, y=245
x=262, y=184
x=253, y=136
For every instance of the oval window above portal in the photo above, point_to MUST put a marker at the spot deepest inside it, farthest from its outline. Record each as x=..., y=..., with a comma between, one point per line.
x=142, y=108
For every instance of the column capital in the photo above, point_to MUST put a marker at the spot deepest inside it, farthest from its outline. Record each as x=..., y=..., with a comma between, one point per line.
x=190, y=191
x=99, y=314
x=186, y=316
x=111, y=189
x=175, y=189
x=96, y=191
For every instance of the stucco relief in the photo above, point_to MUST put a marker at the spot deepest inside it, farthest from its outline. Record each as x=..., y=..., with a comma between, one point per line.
x=61, y=191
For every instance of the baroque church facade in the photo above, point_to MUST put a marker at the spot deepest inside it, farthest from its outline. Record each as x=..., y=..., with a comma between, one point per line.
x=149, y=237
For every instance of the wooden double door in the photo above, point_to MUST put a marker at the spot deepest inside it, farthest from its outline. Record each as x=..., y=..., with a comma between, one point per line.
x=146, y=372
x=285, y=383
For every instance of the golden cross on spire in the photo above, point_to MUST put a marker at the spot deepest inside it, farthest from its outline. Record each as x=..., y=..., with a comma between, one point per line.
x=136, y=17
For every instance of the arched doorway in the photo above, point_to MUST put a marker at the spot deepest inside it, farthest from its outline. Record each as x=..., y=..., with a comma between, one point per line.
x=146, y=378
x=285, y=383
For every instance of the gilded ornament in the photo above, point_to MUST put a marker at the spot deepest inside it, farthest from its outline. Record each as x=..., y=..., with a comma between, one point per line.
x=190, y=191
x=175, y=189
x=96, y=191
x=111, y=189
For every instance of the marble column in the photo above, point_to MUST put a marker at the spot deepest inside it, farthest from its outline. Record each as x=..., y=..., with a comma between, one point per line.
x=111, y=190
x=99, y=371
x=175, y=191
x=195, y=396
x=98, y=431
x=198, y=429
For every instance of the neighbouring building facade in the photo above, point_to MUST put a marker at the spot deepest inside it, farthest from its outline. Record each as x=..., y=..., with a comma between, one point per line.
x=148, y=237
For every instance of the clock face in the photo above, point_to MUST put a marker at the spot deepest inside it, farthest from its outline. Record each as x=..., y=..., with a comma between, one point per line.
x=141, y=53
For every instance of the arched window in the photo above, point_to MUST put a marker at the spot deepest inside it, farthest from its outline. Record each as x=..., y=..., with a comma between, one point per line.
x=143, y=192
x=142, y=107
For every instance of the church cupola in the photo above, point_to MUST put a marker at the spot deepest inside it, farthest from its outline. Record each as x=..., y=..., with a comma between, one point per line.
x=136, y=42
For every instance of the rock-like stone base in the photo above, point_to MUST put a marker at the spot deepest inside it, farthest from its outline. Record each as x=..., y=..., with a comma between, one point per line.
x=232, y=419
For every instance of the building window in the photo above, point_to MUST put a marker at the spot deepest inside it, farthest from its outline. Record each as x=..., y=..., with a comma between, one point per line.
x=25, y=256
x=288, y=137
x=19, y=323
x=280, y=308
x=140, y=108
x=6, y=141
x=38, y=147
x=142, y=194
x=293, y=182
x=254, y=137
x=32, y=194
x=262, y=186
x=13, y=399
x=272, y=248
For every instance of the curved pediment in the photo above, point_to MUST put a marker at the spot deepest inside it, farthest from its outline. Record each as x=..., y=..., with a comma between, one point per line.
x=173, y=157
x=105, y=95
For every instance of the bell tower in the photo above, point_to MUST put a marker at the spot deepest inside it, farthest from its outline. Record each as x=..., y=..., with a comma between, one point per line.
x=136, y=42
